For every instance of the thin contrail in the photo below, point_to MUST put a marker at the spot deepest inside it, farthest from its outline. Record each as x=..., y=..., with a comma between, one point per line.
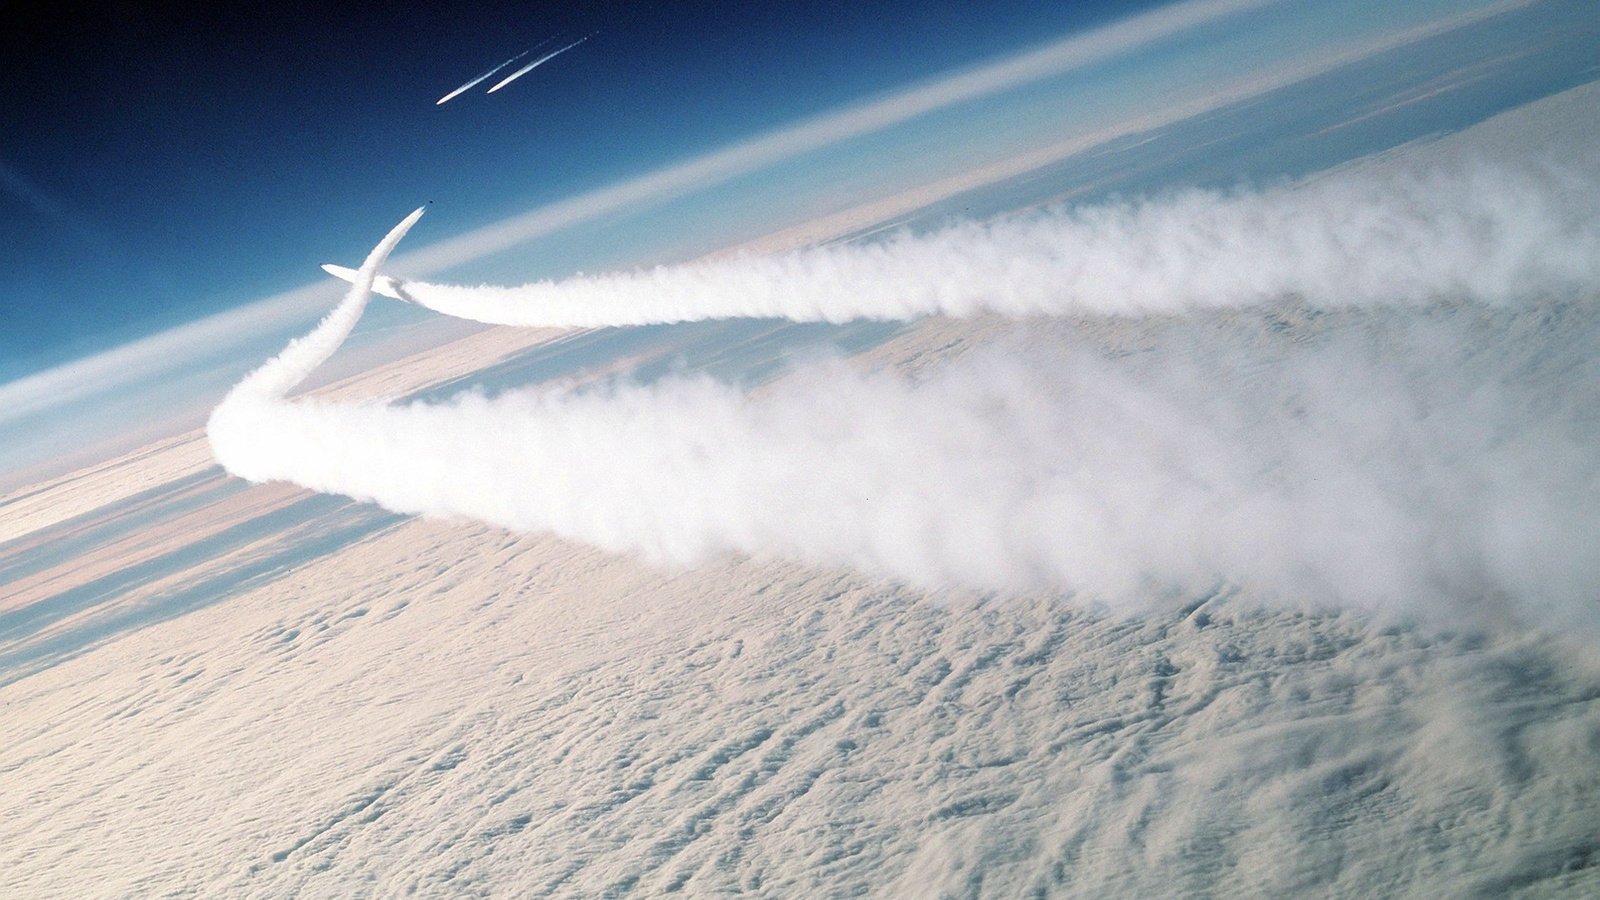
x=1498, y=235
x=480, y=79
x=279, y=375
x=537, y=63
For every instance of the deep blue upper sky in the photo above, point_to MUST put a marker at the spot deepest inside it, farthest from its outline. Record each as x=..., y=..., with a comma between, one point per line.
x=160, y=163
x=157, y=167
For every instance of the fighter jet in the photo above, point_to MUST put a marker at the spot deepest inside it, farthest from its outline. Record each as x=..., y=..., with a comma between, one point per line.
x=382, y=284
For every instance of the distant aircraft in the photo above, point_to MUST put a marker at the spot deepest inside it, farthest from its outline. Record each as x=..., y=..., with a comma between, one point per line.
x=537, y=63
x=469, y=85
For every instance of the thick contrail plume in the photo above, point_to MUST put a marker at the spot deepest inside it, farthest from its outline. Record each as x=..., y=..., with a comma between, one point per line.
x=481, y=78
x=537, y=63
x=1407, y=418
x=279, y=375
x=1406, y=460
x=1470, y=231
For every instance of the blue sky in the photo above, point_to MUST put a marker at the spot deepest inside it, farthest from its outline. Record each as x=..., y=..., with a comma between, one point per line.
x=156, y=169
x=160, y=164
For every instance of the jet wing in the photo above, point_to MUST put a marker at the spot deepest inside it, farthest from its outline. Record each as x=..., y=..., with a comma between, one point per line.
x=383, y=284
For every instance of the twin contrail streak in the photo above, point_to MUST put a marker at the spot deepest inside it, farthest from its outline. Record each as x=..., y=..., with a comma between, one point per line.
x=481, y=78
x=537, y=63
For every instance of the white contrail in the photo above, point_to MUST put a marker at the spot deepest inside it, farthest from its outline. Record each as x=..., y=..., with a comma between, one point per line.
x=537, y=63
x=279, y=375
x=1390, y=453
x=1401, y=463
x=481, y=78
x=1493, y=234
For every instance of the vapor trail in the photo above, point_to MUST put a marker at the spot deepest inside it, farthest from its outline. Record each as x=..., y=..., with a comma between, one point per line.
x=279, y=375
x=1405, y=461
x=480, y=79
x=1473, y=231
x=1410, y=421
x=537, y=63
